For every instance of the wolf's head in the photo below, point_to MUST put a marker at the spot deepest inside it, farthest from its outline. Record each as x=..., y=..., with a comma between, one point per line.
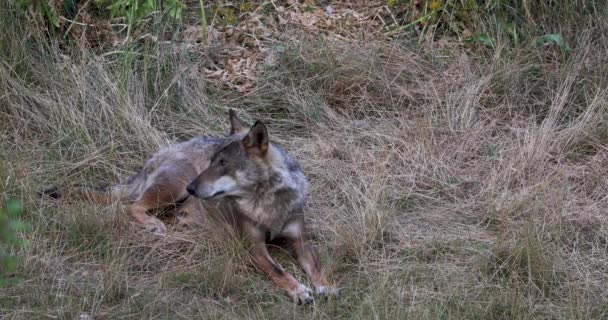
x=238, y=167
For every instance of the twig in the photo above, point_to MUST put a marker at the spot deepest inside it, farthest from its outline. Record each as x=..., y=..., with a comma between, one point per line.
x=203, y=19
x=411, y=24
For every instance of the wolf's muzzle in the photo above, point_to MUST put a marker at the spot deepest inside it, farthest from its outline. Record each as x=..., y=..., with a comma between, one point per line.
x=191, y=188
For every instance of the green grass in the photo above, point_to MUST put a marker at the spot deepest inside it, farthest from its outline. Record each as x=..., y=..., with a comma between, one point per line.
x=449, y=180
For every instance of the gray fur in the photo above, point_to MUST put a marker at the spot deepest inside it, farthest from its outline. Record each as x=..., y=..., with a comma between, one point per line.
x=270, y=192
x=278, y=195
x=195, y=151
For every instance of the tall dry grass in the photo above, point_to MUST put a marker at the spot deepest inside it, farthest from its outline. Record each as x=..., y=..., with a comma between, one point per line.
x=447, y=182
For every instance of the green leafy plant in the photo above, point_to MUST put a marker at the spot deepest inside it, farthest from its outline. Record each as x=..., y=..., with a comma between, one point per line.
x=135, y=11
x=174, y=8
x=482, y=38
x=555, y=39
x=10, y=227
x=40, y=8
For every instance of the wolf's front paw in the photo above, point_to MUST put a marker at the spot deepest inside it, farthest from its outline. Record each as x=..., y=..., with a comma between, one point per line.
x=156, y=227
x=327, y=291
x=301, y=295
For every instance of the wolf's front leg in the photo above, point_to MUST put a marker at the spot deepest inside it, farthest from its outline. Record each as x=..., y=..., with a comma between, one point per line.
x=297, y=291
x=307, y=258
x=262, y=259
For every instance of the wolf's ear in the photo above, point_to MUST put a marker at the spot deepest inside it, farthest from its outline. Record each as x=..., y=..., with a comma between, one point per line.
x=256, y=141
x=236, y=125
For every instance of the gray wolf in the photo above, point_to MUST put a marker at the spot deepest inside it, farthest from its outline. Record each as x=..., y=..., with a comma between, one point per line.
x=254, y=184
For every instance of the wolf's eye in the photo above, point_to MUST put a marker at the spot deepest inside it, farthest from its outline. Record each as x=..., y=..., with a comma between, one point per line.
x=222, y=162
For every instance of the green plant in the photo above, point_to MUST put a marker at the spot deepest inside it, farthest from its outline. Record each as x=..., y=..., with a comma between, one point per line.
x=548, y=39
x=39, y=8
x=482, y=38
x=556, y=39
x=10, y=227
x=203, y=18
x=136, y=10
x=174, y=9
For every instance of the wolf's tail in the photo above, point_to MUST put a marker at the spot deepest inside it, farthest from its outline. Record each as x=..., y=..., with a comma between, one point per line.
x=100, y=195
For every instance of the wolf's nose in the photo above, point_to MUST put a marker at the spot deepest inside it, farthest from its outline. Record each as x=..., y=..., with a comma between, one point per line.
x=191, y=189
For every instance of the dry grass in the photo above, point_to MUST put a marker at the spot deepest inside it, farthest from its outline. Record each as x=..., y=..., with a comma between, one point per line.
x=446, y=183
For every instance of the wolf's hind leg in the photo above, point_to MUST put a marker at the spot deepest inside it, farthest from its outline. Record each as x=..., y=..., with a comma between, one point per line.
x=167, y=188
x=138, y=211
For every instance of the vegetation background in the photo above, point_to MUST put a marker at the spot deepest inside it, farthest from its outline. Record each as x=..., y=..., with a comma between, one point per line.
x=456, y=149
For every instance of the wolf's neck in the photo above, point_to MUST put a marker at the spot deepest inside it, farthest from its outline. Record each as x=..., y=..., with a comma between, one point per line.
x=269, y=204
x=273, y=201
